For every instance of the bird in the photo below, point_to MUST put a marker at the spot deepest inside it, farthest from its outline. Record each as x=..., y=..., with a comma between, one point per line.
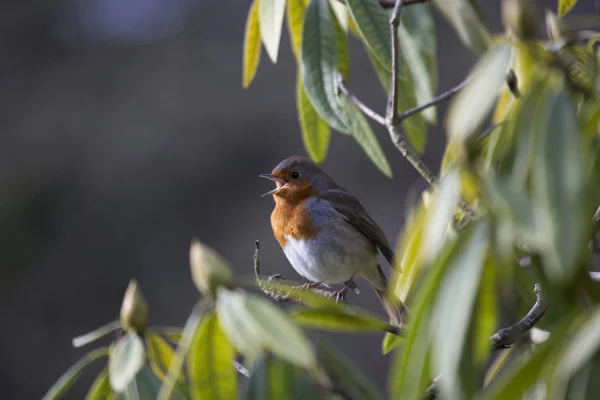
x=326, y=234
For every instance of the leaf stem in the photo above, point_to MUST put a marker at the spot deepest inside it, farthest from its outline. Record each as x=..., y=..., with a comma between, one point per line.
x=362, y=106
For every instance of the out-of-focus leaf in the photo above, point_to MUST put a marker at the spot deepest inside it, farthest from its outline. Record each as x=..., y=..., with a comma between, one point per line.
x=373, y=23
x=558, y=187
x=127, y=357
x=330, y=319
x=96, y=334
x=320, y=64
x=390, y=342
x=452, y=318
x=472, y=104
x=485, y=314
x=172, y=334
x=295, y=22
x=64, y=383
x=465, y=19
x=100, y=389
x=361, y=131
x=251, y=323
x=270, y=15
x=252, y=48
x=315, y=131
x=160, y=354
x=503, y=106
x=564, y=6
x=210, y=361
x=145, y=385
x=500, y=362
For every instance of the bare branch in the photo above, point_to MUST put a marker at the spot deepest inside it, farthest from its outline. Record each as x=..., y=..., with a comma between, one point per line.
x=362, y=106
x=435, y=101
x=391, y=3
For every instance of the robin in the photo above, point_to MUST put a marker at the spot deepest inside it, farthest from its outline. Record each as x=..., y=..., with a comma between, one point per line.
x=326, y=233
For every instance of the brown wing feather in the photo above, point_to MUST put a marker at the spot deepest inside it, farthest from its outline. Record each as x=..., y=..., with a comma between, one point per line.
x=356, y=214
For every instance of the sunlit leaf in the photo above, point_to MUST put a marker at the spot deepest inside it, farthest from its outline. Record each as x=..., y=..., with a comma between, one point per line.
x=252, y=47
x=341, y=13
x=96, y=334
x=100, y=389
x=390, y=342
x=564, y=6
x=465, y=19
x=127, y=357
x=320, y=64
x=172, y=334
x=346, y=375
x=329, y=319
x=315, y=131
x=485, y=313
x=160, y=354
x=270, y=15
x=295, y=22
x=64, y=383
x=472, y=105
x=362, y=132
x=374, y=26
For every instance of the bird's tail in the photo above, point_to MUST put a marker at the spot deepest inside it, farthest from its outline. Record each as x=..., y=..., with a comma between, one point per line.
x=394, y=307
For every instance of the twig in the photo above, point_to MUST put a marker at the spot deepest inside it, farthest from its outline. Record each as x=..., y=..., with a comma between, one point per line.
x=391, y=3
x=362, y=106
x=392, y=111
x=504, y=338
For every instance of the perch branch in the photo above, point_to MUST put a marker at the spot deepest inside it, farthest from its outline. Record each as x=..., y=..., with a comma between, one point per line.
x=391, y=3
x=362, y=106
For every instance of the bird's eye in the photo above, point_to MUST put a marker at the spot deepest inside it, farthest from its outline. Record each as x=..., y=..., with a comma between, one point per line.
x=295, y=175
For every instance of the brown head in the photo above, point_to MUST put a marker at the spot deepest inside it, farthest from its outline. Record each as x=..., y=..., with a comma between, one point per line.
x=297, y=178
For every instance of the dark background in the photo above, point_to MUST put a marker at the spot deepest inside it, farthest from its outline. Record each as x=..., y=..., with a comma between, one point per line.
x=124, y=131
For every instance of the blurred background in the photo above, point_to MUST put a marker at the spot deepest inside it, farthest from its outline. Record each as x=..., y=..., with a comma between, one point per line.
x=124, y=131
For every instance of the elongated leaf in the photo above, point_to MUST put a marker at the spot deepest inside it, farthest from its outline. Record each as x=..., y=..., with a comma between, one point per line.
x=160, y=354
x=127, y=358
x=146, y=385
x=210, y=363
x=64, y=383
x=373, y=23
x=465, y=19
x=343, y=54
x=564, y=6
x=251, y=323
x=361, y=131
x=97, y=334
x=390, y=342
x=315, y=131
x=341, y=13
x=452, y=318
x=485, y=314
x=100, y=389
x=320, y=64
x=410, y=256
x=332, y=320
x=252, y=48
x=295, y=22
x=472, y=105
x=270, y=15
x=346, y=375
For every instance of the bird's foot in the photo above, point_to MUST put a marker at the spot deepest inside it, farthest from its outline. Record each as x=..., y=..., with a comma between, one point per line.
x=340, y=295
x=307, y=286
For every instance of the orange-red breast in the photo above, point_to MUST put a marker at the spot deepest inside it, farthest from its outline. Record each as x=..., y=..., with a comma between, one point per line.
x=326, y=233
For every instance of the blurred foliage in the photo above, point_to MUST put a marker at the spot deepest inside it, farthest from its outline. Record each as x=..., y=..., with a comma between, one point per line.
x=533, y=176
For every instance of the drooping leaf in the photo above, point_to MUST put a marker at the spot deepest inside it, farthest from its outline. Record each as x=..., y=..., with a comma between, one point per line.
x=160, y=354
x=341, y=13
x=252, y=47
x=390, y=342
x=100, y=389
x=320, y=64
x=346, y=375
x=373, y=24
x=295, y=22
x=82, y=340
x=452, y=318
x=472, y=104
x=465, y=19
x=64, y=383
x=330, y=319
x=209, y=362
x=343, y=54
x=127, y=357
x=316, y=134
x=251, y=323
x=270, y=15
x=564, y=6
x=145, y=385
x=485, y=314
x=361, y=131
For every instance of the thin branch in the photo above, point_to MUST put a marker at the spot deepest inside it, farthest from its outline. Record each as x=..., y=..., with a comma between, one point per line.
x=392, y=111
x=391, y=3
x=362, y=106
x=504, y=338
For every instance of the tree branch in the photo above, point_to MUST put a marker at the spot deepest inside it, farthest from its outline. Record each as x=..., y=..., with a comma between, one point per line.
x=391, y=3
x=362, y=106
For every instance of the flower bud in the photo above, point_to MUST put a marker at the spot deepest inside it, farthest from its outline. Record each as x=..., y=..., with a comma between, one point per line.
x=134, y=310
x=519, y=17
x=209, y=269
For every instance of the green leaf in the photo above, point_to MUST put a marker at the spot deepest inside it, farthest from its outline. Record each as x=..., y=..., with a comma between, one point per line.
x=330, y=319
x=295, y=21
x=453, y=318
x=252, y=48
x=251, y=323
x=341, y=13
x=127, y=357
x=82, y=340
x=362, y=133
x=465, y=19
x=343, y=54
x=172, y=334
x=64, y=383
x=315, y=131
x=346, y=374
x=270, y=15
x=485, y=315
x=558, y=187
x=390, y=342
x=160, y=354
x=210, y=360
x=564, y=6
x=320, y=64
x=473, y=103
x=145, y=385
x=100, y=389
x=373, y=23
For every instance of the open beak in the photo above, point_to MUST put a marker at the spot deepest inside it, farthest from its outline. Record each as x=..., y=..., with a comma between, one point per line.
x=280, y=182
